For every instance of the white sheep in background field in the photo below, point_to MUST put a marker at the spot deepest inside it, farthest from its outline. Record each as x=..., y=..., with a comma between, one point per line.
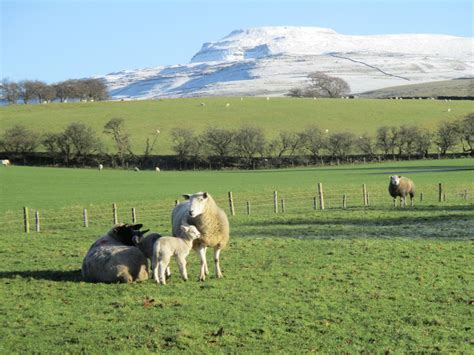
x=201, y=210
x=101, y=167
x=113, y=258
x=203, y=104
x=157, y=169
x=136, y=168
x=166, y=247
x=400, y=186
x=227, y=105
x=6, y=162
x=268, y=98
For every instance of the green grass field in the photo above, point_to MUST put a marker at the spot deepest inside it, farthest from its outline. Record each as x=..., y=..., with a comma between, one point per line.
x=370, y=279
x=143, y=118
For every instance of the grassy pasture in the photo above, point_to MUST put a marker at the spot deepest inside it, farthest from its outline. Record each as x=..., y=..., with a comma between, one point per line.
x=362, y=279
x=274, y=115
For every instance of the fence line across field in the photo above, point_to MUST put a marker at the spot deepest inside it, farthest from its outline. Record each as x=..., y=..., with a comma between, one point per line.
x=280, y=202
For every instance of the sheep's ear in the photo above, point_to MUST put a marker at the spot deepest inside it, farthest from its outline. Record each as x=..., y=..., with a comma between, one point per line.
x=184, y=228
x=186, y=196
x=144, y=232
x=204, y=194
x=136, y=239
x=136, y=226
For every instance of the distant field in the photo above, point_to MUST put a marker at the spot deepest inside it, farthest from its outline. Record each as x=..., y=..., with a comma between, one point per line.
x=362, y=279
x=277, y=114
x=459, y=87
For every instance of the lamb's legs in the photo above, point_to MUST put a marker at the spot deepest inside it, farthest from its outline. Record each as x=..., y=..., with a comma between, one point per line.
x=168, y=272
x=202, y=256
x=217, y=252
x=163, y=263
x=182, y=267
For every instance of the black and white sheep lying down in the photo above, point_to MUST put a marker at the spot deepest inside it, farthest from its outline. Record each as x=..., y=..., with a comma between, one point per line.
x=401, y=186
x=113, y=258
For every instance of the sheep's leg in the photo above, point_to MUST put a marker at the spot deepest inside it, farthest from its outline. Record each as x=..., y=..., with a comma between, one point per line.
x=404, y=201
x=202, y=256
x=154, y=266
x=206, y=270
x=181, y=260
x=162, y=265
x=395, y=202
x=217, y=252
x=168, y=272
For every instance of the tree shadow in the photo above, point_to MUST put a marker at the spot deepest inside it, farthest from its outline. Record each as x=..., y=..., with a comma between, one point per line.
x=50, y=275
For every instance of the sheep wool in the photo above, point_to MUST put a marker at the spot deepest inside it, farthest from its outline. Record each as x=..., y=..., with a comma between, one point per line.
x=401, y=186
x=112, y=258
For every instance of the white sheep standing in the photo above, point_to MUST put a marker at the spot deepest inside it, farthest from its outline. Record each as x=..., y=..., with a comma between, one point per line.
x=157, y=169
x=136, y=168
x=227, y=105
x=401, y=186
x=201, y=210
x=6, y=162
x=113, y=258
x=166, y=247
x=101, y=167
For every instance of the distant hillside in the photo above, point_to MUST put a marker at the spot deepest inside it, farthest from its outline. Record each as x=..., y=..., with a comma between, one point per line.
x=269, y=61
x=457, y=87
x=143, y=118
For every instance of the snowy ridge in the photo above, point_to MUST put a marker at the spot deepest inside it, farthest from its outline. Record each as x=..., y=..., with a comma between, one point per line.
x=271, y=60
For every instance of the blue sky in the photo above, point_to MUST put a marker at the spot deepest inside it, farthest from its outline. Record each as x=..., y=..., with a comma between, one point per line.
x=56, y=40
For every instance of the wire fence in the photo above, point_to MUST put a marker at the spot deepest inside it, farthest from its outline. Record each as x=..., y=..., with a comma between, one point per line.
x=156, y=214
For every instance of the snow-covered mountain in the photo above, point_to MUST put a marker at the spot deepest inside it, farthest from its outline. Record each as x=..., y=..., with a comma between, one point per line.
x=271, y=60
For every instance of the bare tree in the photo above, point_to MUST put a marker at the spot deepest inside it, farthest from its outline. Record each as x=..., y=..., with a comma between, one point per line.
x=27, y=90
x=115, y=128
x=66, y=90
x=466, y=133
x=423, y=142
x=286, y=143
x=447, y=136
x=185, y=143
x=367, y=145
x=340, y=144
x=408, y=137
x=295, y=92
x=10, y=91
x=312, y=141
x=325, y=85
x=19, y=140
x=83, y=140
x=218, y=142
x=248, y=142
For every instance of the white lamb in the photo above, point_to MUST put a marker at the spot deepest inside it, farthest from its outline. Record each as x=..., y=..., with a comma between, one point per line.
x=166, y=247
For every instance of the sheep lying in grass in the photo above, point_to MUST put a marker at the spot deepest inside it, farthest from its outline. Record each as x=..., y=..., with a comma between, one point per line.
x=113, y=258
x=166, y=247
x=202, y=211
x=400, y=186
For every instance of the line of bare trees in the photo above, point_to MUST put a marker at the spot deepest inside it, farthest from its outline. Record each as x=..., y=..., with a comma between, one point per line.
x=38, y=91
x=321, y=85
x=79, y=144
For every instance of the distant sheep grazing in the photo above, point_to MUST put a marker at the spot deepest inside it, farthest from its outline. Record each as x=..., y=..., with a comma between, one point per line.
x=136, y=168
x=157, y=169
x=6, y=162
x=400, y=186
x=101, y=167
x=227, y=105
x=201, y=210
x=203, y=104
x=113, y=258
x=166, y=247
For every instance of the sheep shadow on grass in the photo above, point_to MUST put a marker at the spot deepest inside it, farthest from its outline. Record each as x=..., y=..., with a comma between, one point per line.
x=50, y=275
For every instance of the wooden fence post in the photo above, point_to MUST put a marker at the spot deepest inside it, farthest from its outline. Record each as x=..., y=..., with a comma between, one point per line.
x=26, y=220
x=315, y=204
x=440, y=190
x=134, y=215
x=368, y=198
x=248, y=207
x=421, y=197
x=231, y=204
x=86, y=221
x=364, y=192
x=114, y=210
x=321, y=196
x=37, y=220
x=444, y=196
x=344, y=201
x=275, y=201
x=282, y=203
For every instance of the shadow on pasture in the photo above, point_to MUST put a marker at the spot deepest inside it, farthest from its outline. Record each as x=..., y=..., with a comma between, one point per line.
x=50, y=275
x=447, y=227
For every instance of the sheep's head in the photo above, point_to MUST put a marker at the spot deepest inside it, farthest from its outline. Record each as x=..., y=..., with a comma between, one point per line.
x=190, y=231
x=125, y=233
x=395, y=180
x=197, y=203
